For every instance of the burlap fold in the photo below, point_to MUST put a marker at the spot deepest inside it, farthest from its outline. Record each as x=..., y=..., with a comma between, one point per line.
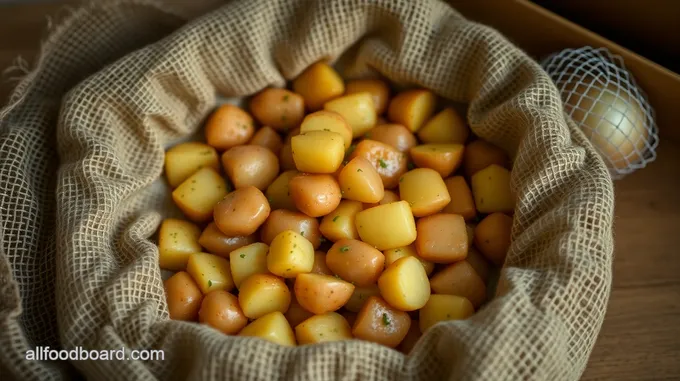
x=82, y=147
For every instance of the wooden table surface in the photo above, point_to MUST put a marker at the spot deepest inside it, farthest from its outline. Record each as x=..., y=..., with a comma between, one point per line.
x=640, y=339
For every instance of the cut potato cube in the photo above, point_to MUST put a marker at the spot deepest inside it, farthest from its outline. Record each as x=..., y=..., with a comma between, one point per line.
x=229, y=126
x=443, y=158
x=278, y=193
x=360, y=297
x=315, y=195
x=446, y=127
x=271, y=327
x=412, y=108
x=319, y=294
x=355, y=261
x=360, y=181
x=424, y=190
x=328, y=327
x=339, y=224
x=290, y=254
x=491, y=189
x=197, y=195
x=460, y=279
x=392, y=255
x=387, y=160
x=461, y=198
x=183, y=160
x=443, y=308
x=248, y=260
x=268, y=138
x=357, y=109
x=388, y=198
x=216, y=242
x=318, y=151
x=183, y=297
x=481, y=154
x=261, y=294
x=279, y=109
x=442, y=238
x=387, y=226
x=328, y=121
x=318, y=84
x=177, y=239
x=250, y=165
x=381, y=323
x=394, y=135
x=378, y=89
x=493, y=237
x=404, y=284
x=221, y=311
x=282, y=220
x=211, y=272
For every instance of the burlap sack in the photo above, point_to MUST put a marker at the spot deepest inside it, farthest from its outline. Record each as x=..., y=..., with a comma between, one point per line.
x=80, y=194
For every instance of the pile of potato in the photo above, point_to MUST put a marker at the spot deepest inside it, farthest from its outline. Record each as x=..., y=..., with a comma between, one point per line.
x=328, y=221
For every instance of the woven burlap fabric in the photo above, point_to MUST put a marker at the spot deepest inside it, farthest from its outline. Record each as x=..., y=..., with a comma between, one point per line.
x=82, y=145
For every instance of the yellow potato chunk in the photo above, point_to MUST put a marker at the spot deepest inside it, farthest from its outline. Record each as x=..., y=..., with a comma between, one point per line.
x=248, y=260
x=278, y=193
x=318, y=151
x=357, y=109
x=177, y=239
x=328, y=121
x=339, y=224
x=378, y=89
x=290, y=254
x=460, y=279
x=443, y=158
x=424, y=190
x=183, y=160
x=318, y=84
x=360, y=296
x=360, y=181
x=491, y=189
x=330, y=326
x=392, y=255
x=211, y=272
x=443, y=308
x=197, y=195
x=404, y=284
x=446, y=127
x=271, y=327
x=412, y=108
x=387, y=226
x=261, y=294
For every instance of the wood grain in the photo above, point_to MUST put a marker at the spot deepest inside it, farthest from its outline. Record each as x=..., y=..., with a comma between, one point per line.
x=640, y=339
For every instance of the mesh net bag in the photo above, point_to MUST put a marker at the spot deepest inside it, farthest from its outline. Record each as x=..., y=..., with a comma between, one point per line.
x=601, y=96
x=82, y=145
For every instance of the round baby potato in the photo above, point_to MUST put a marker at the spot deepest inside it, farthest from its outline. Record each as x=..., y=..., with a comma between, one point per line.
x=443, y=158
x=378, y=89
x=315, y=195
x=261, y=294
x=462, y=201
x=359, y=181
x=424, y=190
x=355, y=261
x=279, y=109
x=241, y=212
x=442, y=238
x=250, y=165
x=318, y=84
x=281, y=220
x=328, y=121
x=183, y=296
x=387, y=160
x=324, y=328
x=268, y=138
x=271, y=327
x=215, y=242
x=492, y=237
x=360, y=297
x=319, y=294
x=290, y=254
x=480, y=154
x=229, y=126
x=221, y=311
x=394, y=135
x=404, y=284
x=381, y=323
x=412, y=108
x=443, y=308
